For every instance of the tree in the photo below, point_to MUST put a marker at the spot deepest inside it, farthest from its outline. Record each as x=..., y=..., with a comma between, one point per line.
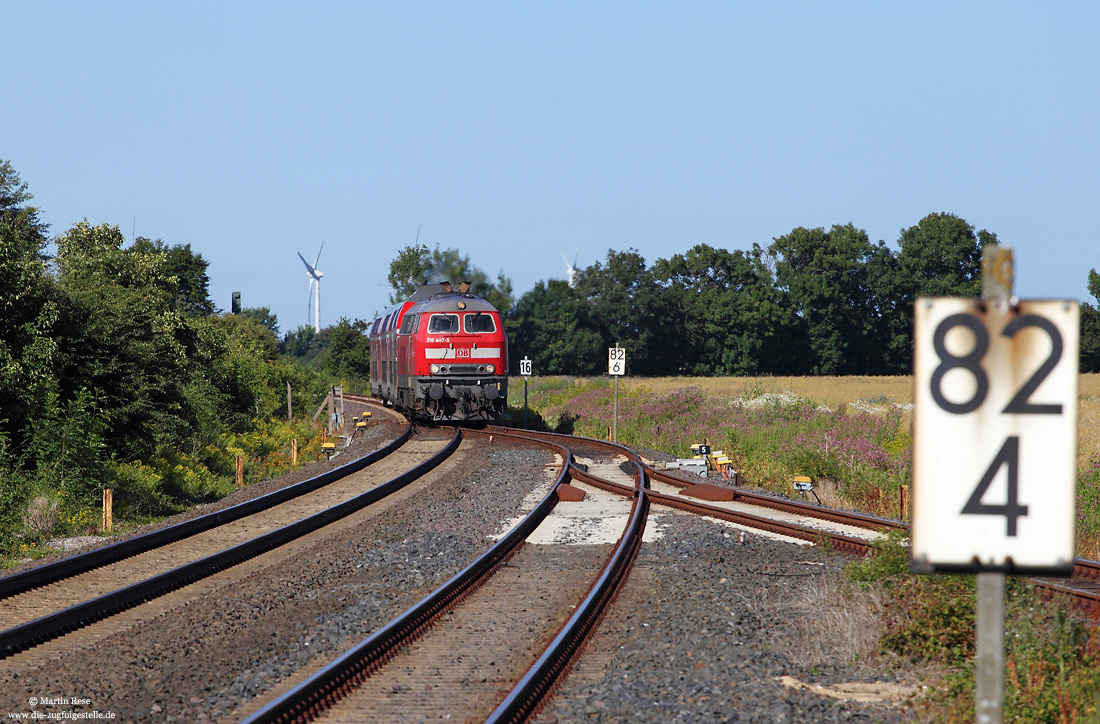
x=298, y=343
x=1090, y=328
x=626, y=306
x=415, y=266
x=552, y=328
x=192, y=293
x=942, y=257
x=732, y=321
x=408, y=272
x=264, y=317
x=347, y=353
x=120, y=336
x=28, y=310
x=824, y=275
x=14, y=207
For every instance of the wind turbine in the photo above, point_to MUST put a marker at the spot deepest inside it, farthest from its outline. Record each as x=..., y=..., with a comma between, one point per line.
x=314, y=299
x=571, y=269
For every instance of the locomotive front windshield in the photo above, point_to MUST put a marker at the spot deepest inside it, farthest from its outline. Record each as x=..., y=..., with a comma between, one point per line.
x=443, y=324
x=479, y=323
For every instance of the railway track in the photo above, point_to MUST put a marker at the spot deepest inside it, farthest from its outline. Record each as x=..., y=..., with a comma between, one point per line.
x=393, y=664
x=46, y=602
x=374, y=670
x=846, y=531
x=511, y=597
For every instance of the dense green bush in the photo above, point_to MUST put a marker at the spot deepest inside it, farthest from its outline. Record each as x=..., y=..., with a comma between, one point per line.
x=117, y=372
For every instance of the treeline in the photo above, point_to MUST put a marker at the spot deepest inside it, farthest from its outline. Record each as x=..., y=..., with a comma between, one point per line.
x=117, y=371
x=813, y=302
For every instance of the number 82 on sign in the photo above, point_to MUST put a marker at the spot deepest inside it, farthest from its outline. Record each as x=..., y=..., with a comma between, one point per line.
x=994, y=435
x=616, y=360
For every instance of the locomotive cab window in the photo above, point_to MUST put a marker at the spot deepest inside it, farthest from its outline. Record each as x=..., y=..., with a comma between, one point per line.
x=479, y=323
x=409, y=324
x=443, y=324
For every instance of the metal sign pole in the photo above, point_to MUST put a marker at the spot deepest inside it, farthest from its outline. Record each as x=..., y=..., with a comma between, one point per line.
x=989, y=660
x=525, y=370
x=615, y=419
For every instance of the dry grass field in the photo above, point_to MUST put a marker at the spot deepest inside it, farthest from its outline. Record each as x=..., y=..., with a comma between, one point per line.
x=835, y=391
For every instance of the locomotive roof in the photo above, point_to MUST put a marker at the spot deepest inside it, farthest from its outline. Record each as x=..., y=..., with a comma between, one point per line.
x=443, y=297
x=450, y=302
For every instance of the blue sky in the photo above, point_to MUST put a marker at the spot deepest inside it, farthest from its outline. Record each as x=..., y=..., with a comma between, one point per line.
x=516, y=132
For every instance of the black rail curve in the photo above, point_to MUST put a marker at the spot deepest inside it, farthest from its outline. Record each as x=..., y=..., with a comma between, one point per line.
x=350, y=669
x=66, y=567
x=537, y=684
x=42, y=629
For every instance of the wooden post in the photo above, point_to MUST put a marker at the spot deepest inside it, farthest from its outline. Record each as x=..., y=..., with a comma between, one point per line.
x=904, y=502
x=294, y=451
x=240, y=470
x=108, y=509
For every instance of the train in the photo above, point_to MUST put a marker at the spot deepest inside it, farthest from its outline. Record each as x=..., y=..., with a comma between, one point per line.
x=441, y=355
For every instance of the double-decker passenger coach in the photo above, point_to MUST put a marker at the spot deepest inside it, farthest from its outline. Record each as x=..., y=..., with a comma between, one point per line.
x=441, y=355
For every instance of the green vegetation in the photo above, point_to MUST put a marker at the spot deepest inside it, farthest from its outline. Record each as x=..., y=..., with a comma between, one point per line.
x=1052, y=656
x=117, y=372
x=812, y=302
x=770, y=438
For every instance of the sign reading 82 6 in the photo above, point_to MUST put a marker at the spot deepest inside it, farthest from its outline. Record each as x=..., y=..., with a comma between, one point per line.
x=616, y=360
x=994, y=435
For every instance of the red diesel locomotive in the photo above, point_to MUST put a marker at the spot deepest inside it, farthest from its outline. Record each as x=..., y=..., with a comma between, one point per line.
x=442, y=354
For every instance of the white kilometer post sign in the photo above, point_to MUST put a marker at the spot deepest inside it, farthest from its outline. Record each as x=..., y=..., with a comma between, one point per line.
x=994, y=448
x=616, y=361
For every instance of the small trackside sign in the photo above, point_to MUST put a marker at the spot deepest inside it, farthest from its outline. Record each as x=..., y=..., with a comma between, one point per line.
x=616, y=360
x=994, y=435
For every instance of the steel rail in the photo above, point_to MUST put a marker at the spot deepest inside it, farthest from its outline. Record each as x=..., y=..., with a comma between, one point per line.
x=796, y=507
x=535, y=686
x=792, y=530
x=41, y=629
x=349, y=670
x=532, y=690
x=66, y=567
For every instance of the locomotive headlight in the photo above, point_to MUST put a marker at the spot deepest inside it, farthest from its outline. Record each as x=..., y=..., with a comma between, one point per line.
x=490, y=369
x=435, y=369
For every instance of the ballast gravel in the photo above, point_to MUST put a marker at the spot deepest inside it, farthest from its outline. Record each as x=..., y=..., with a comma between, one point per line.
x=705, y=629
